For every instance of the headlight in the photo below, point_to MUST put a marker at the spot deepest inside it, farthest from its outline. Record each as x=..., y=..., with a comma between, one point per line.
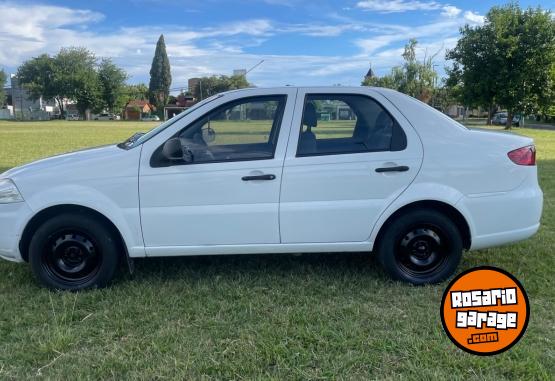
x=9, y=192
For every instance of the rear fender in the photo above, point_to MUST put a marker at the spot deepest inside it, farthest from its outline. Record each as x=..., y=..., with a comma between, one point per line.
x=423, y=192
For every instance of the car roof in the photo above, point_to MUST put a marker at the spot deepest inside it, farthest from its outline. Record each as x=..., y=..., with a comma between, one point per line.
x=306, y=87
x=323, y=89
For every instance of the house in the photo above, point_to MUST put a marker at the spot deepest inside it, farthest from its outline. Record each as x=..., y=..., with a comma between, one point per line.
x=458, y=111
x=182, y=102
x=136, y=108
x=23, y=106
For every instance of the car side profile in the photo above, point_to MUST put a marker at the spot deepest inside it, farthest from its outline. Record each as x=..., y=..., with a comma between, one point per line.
x=106, y=116
x=283, y=170
x=500, y=118
x=150, y=118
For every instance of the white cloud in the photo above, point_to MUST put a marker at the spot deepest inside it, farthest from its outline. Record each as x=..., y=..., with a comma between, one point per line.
x=29, y=30
x=371, y=45
x=450, y=11
x=474, y=18
x=391, y=6
x=25, y=29
x=204, y=51
x=436, y=31
x=320, y=30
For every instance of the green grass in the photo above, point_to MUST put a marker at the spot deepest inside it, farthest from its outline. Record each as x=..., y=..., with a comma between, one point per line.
x=276, y=317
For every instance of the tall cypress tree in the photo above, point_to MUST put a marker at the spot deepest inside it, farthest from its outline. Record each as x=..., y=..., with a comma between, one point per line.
x=160, y=76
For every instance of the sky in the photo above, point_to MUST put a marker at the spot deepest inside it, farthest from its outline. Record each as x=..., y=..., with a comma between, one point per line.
x=321, y=42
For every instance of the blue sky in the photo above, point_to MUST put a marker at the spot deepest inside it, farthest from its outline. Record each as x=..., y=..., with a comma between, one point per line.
x=320, y=42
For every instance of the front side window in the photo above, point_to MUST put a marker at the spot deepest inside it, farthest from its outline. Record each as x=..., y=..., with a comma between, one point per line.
x=341, y=124
x=246, y=129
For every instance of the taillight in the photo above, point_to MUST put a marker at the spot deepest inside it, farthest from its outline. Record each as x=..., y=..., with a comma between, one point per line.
x=523, y=156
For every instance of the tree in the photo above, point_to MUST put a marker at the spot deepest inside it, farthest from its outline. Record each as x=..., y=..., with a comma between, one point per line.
x=38, y=76
x=526, y=43
x=172, y=100
x=77, y=78
x=70, y=74
x=112, y=83
x=508, y=60
x=160, y=76
x=472, y=78
x=547, y=107
x=443, y=98
x=208, y=86
x=3, y=78
x=414, y=78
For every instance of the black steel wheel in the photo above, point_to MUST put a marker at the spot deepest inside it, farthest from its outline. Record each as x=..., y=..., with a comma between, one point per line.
x=72, y=256
x=73, y=252
x=420, y=247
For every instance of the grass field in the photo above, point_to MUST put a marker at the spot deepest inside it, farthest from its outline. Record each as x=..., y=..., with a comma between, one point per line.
x=258, y=317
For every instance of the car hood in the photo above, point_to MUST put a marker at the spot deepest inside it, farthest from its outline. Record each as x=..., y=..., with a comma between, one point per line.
x=57, y=164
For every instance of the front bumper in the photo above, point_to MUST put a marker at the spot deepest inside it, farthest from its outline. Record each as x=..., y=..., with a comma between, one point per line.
x=12, y=221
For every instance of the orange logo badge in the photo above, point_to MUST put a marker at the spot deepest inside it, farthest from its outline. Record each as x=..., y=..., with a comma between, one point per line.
x=485, y=310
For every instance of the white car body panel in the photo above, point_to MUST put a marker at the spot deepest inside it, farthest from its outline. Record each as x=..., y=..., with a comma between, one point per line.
x=103, y=179
x=316, y=204
x=209, y=204
x=338, y=198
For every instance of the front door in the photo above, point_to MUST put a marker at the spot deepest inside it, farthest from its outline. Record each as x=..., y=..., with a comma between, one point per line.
x=349, y=156
x=229, y=193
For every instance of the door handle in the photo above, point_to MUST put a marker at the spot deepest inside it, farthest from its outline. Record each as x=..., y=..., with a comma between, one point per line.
x=400, y=168
x=258, y=177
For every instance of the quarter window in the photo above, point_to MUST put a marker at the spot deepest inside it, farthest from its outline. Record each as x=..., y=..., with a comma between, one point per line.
x=341, y=124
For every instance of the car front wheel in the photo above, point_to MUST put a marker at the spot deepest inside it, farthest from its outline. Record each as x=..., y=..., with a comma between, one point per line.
x=73, y=252
x=420, y=247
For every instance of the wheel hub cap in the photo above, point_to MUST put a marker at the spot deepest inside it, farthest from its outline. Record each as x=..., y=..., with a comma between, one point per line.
x=71, y=257
x=421, y=250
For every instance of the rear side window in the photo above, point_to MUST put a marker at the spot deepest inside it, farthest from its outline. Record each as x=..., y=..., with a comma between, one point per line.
x=342, y=124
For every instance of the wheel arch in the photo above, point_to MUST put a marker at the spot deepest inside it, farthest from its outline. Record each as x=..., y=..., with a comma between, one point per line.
x=40, y=217
x=449, y=210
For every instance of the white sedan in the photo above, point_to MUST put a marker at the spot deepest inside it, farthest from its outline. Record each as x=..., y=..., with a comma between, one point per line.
x=150, y=118
x=106, y=117
x=283, y=170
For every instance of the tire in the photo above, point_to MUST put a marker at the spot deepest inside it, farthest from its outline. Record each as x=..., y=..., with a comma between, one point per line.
x=73, y=252
x=420, y=247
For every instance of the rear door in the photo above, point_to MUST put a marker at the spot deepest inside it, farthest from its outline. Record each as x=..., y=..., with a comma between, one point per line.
x=349, y=156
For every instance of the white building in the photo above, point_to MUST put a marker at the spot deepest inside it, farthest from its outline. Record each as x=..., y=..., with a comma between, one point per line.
x=23, y=105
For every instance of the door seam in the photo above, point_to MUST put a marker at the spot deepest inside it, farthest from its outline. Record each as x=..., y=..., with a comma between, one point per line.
x=283, y=162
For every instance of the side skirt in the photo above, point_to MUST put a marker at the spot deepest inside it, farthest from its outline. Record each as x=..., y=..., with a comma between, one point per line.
x=170, y=251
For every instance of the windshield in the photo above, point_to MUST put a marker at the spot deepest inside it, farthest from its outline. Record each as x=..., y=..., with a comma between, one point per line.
x=140, y=138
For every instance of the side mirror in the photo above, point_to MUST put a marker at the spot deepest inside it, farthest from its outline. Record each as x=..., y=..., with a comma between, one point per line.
x=173, y=150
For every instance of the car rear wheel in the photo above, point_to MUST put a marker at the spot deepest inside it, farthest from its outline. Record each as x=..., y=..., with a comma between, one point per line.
x=73, y=252
x=420, y=247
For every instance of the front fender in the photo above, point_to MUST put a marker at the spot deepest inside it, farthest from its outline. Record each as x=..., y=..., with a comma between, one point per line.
x=124, y=217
